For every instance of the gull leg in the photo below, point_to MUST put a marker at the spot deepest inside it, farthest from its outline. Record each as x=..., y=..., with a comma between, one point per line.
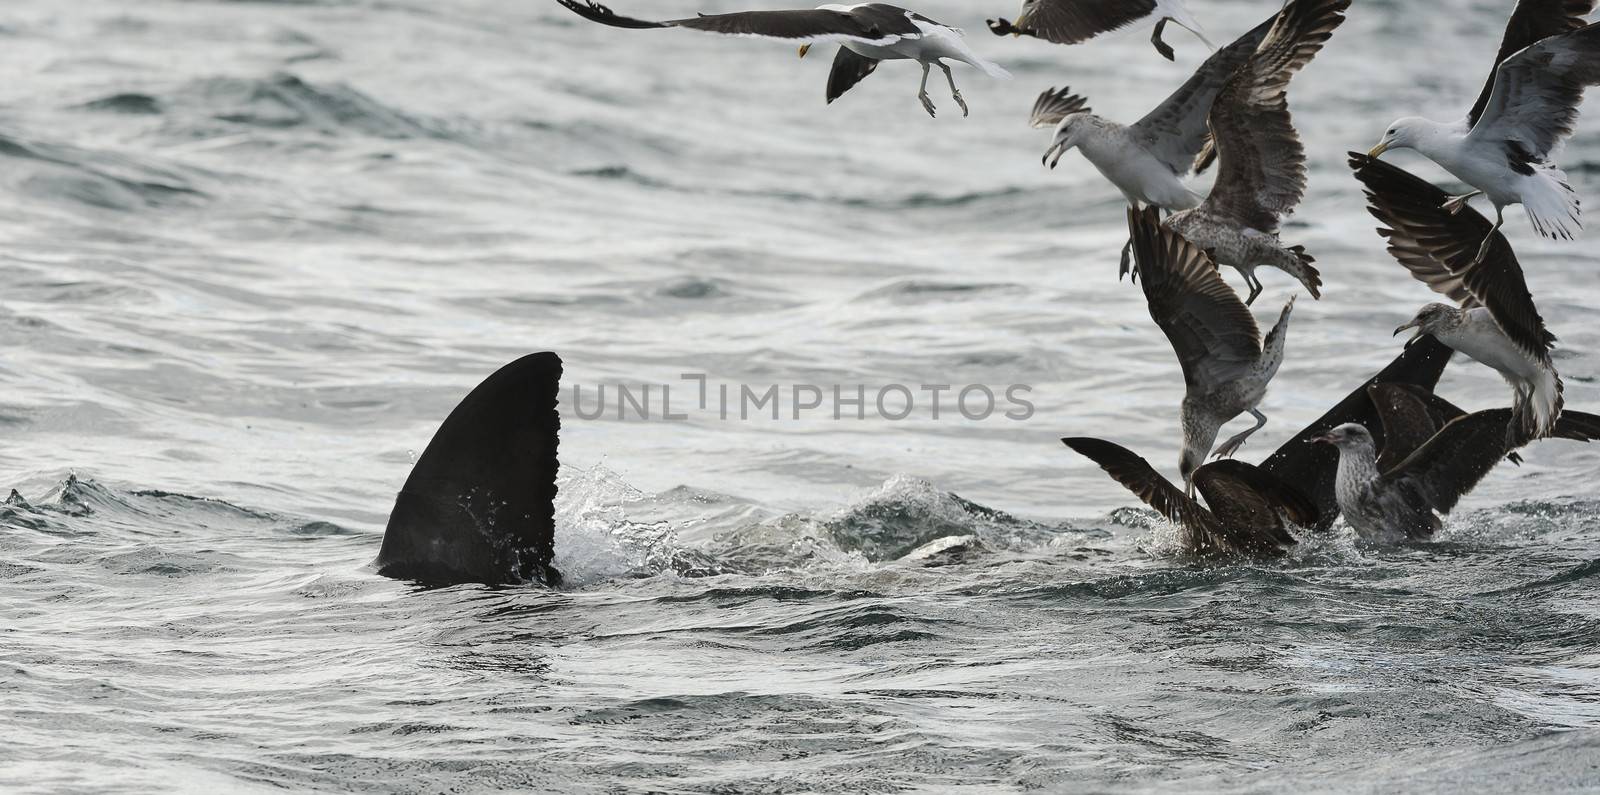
x=922, y=92
x=1161, y=46
x=1254, y=283
x=955, y=93
x=1455, y=204
x=1483, y=250
x=1127, y=257
x=1228, y=448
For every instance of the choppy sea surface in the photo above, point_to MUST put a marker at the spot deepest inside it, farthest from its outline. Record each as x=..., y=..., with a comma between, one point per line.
x=255, y=251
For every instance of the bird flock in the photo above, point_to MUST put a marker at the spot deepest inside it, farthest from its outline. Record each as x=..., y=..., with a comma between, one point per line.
x=1393, y=456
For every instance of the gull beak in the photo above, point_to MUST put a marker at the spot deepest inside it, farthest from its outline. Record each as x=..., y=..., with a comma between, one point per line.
x=1057, y=149
x=1383, y=146
x=804, y=48
x=1326, y=438
x=1410, y=325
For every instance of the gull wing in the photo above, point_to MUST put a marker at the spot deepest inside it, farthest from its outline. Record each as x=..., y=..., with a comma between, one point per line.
x=1262, y=175
x=1531, y=22
x=1175, y=131
x=874, y=23
x=1534, y=104
x=1440, y=249
x=1212, y=332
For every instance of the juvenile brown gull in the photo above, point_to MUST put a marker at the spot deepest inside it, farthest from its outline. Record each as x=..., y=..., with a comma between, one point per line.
x=1226, y=364
x=1496, y=323
x=1261, y=171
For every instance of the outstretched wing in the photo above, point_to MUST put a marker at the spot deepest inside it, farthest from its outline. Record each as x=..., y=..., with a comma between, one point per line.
x=1054, y=104
x=869, y=24
x=1262, y=171
x=1440, y=249
x=1139, y=477
x=1075, y=21
x=1536, y=93
x=1312, y=467
x=1212, y=332
x=1452, y=463
x=1531, y=22
x=1176, y=130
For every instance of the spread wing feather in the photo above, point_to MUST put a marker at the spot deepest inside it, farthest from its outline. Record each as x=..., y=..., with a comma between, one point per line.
x=1440, y=249
x=1176, y=130
x=1537, y=92
x=1262, y=173
x=1212, y=332
x=1531, y=21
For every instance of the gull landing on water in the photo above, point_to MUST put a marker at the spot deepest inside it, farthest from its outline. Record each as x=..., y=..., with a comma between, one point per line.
x=1503, y=148
x=1076, y=21
x=868, y=33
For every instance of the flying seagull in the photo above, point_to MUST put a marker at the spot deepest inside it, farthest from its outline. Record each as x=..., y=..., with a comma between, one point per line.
x=1226, y=365
x=1503, y=147
x=1249, y=510
x=1148, y=159
x=1402, y=501
x=1261, y=171
x=1497, y=323
x=1077, y=21
x=868, y=33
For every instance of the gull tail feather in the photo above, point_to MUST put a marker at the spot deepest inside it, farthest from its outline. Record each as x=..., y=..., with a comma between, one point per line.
x=1303, y=270
x=1552, y=204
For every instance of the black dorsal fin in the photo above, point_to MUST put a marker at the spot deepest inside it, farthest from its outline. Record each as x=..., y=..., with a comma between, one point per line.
x=478, y=506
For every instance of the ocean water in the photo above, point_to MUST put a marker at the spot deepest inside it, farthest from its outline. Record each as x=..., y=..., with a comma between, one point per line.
x=255, y=251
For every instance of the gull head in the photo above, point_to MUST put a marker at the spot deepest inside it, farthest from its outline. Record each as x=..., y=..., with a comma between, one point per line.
x=1068, y=133
x=1431, y=319
x=1346, y=436
x=1405, y=133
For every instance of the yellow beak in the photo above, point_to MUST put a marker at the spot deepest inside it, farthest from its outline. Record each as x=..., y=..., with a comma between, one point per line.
x=1379, y=149
x=804, y=48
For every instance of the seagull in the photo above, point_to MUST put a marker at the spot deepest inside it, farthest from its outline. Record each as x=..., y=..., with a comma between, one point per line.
x=1261, y=172
x=1503, y=147
x=1226, y=364
x=1249, y=509
x=1148, y=159
x=868, y=33
x=1496, y=323
x=1076, y=21
x=1401, y=501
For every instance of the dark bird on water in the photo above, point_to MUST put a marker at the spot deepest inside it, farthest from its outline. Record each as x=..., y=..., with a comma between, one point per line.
x=1391, y=501
x=867, y=34
x=1247, y=512
x=1076, y=21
